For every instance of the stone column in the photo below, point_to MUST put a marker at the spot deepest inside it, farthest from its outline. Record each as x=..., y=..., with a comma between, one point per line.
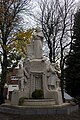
x=32, y=85
x=38, y=48
x=30, y=47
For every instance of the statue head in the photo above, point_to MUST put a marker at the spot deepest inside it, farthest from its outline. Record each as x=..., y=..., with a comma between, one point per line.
x=38, y=32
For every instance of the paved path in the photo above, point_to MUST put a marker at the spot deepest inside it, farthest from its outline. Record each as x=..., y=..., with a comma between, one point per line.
x=72, y=116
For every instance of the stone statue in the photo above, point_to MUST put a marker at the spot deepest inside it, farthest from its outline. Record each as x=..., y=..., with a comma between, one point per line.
x=38, y=43
x=38, y=73
x=23, y=77
x=34, y=48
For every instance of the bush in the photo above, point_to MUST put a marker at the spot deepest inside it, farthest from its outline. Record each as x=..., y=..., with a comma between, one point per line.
x=37, y=94
x=77, y=100
x=21, y=101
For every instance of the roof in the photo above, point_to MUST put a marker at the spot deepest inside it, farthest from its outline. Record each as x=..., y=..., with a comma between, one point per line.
x=67, y=96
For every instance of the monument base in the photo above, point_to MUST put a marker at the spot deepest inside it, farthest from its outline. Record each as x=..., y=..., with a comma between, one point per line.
x=38, y=102
x=65, y=108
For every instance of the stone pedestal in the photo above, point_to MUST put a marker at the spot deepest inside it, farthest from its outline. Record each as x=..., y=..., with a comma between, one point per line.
x=40, y=73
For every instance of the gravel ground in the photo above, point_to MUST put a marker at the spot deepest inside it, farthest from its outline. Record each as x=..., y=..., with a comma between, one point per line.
x=72, y=116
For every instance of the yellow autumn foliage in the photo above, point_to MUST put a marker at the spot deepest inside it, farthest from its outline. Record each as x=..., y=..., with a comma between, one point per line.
x=18, y=42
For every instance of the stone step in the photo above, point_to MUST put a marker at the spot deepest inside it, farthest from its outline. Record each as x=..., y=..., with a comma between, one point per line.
x=39, y=102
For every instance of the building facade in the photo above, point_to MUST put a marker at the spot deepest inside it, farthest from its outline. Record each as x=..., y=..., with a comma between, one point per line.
x=11, y=83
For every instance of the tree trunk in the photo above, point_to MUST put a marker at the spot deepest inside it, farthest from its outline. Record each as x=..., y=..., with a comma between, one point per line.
x=1, y=95
x=54, y=50
x=3, y=75
x=62, y=84
x=62, y=73
x=62, y=76
x=50, y=50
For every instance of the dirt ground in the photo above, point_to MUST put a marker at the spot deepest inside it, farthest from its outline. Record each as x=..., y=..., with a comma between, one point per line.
x=72, y=116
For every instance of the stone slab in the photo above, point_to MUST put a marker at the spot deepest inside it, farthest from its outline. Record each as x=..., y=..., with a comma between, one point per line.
x=38, y=111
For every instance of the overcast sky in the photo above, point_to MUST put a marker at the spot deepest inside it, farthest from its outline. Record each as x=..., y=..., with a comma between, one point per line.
x=34, y=1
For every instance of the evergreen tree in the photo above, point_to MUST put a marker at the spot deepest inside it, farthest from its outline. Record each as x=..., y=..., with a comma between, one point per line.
x=72, y=71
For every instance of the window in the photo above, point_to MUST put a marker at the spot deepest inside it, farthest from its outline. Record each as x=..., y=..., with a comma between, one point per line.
x=51, y=87
x=14, y=77
x=14, y=86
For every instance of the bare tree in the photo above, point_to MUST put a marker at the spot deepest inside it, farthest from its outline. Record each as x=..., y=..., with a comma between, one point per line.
x=49, y=19
x=66, y=33
x=10, y=19
x=56, y=19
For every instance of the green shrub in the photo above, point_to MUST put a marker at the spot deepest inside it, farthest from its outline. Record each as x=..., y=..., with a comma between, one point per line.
x=21, y=101
x=77, y=100
x=37, y=94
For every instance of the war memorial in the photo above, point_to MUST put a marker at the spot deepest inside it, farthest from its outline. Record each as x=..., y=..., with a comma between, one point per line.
x=38, y=74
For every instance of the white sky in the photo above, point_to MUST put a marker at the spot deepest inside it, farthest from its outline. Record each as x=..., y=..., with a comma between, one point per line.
x=75, y=0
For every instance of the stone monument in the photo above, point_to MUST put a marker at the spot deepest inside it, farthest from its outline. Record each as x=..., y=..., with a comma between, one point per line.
x=38, y=73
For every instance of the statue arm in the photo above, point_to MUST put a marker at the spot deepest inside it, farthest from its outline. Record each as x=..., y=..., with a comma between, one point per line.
x=26, y=73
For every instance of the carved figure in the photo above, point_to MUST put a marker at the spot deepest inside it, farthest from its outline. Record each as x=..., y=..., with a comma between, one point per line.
x=23, y=77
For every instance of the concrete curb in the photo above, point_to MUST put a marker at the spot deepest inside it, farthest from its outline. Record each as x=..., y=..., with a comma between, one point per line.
x=38, y=111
